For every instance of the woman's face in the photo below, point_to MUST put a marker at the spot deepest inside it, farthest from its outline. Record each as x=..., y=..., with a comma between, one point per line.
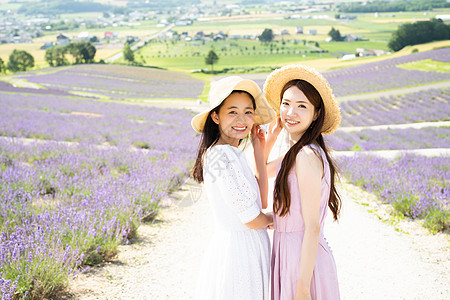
x=235, y=118
x=297, y=112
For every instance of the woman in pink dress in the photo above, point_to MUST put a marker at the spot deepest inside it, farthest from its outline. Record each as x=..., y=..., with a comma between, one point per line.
x=302, y=264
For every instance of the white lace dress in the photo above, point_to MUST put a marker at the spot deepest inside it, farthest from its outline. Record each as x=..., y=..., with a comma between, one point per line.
x=236, y=264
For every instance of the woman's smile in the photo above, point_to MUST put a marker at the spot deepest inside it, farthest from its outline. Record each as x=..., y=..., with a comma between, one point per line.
x=239, y=128
x=291, y=123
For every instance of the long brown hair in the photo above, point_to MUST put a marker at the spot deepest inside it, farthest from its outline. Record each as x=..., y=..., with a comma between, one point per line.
x=210, y=136
x=281, y=194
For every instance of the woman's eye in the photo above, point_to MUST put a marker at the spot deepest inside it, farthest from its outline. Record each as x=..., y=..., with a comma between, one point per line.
x=249, y=112
x=302, y=106
x=284, y=103
x=232, y=112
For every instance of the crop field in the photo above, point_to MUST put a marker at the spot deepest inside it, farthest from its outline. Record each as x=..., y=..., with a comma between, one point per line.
x=426, y=106
x=78, y=175
x=386, y=74
x=416, y=186
x=39, y=54
x=81, y=183
x=232, y=54
x=391, y=139
x=118, y=82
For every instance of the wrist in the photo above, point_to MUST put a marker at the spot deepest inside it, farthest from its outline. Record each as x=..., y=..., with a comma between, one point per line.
x=302, y=287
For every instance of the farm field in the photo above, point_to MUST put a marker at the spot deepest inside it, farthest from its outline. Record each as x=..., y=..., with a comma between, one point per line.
x=376, y=29
x=90, y=174
x=39, y=55
x=386, y=74
x=74, y=156
x=117, y=82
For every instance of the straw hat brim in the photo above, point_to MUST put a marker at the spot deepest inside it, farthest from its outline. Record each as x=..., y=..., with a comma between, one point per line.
x=223, y=88
x=278, y=79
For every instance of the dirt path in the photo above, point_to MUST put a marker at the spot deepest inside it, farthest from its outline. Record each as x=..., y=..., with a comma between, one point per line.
x=375, y=260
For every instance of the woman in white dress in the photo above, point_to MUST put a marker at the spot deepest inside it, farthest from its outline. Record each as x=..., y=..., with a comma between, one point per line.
x=237, y=261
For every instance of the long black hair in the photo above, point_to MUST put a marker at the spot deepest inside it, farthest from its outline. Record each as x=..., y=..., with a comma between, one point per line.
x=210, y=136
x=281, y=193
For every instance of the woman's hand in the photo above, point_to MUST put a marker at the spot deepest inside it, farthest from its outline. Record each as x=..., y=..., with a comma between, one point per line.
x=275, y=127
x=258, y=138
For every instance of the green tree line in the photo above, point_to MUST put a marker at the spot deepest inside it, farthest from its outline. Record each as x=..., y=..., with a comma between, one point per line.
x=393, y=6
x=50, y=7
x=419, y=33
x=81, y=52
x=19, y=60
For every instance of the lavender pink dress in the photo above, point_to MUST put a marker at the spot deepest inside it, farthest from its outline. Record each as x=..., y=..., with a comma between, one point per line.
x=287, y=245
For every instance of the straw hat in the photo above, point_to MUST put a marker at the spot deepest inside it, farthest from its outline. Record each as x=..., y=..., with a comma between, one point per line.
x=222, y=88
x=278, y=79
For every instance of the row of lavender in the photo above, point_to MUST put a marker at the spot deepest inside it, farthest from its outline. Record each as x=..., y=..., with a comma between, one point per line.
x=68, y=205
x=118, y=82
x=416, y=186
x=425, y=106
x=81, y=120
x=143, y=83
x=390, y=139
x=384, y=75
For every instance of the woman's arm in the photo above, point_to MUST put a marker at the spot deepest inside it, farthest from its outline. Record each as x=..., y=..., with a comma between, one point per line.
x=309, y=171
x=272, y=135
x=261, y=221
x=258, y=142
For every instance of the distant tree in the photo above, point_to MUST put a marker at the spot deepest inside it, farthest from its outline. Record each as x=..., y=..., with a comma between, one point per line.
x=211, y=58
x=93, y=39
x=88, y=51
x=128, y=54
x=266, y=36
x=2, y=66
x=20, y=60
x=419, y=33
x=335, y=35
x=82, y=52
x=56, y=56
x=392, y=6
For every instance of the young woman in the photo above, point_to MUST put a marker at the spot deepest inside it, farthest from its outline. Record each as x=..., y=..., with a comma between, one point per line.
x=236, y=264
x=302, y=264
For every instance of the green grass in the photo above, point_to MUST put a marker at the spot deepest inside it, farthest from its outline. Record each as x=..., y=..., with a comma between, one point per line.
x=335, y=47
x=254, y=25
x=427, y=65
x=232, y=54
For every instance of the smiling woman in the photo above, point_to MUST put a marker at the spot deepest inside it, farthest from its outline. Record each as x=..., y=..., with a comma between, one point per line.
x=236, y=263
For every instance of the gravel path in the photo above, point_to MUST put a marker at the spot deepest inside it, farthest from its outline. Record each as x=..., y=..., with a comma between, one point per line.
x=375, y=259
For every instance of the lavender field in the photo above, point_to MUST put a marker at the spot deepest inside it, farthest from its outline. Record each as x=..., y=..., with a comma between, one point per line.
x=385, y=75
x=416, y=186
x=70, y=119
x=67, y=205
x=119, y=82
x=394, y=139
x=425, y=106
x=78, y=175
